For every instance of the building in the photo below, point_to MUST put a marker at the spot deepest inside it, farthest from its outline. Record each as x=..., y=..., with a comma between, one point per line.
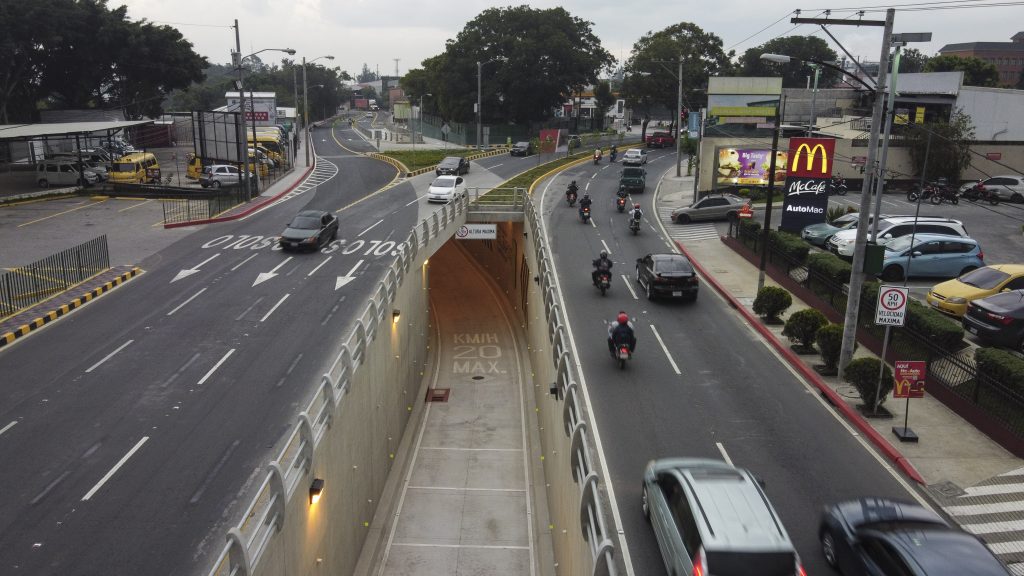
x=1008, y=57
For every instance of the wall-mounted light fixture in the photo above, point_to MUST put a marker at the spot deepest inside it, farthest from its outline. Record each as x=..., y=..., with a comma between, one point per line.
x=554, y=389
x=395, y=315
x=316, y=489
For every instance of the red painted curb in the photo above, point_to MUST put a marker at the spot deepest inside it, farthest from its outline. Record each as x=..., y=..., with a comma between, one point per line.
x=833, y=398
x=248, y=210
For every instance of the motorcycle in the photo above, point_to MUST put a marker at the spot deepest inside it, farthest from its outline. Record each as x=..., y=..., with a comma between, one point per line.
x=585, y=214
x=614, y=154
x=917, y=192
x=634, y=225
x=604, y=282
x=979, y=192
x=597, y=157
x=944, y=194
x=570, y=198
x=620, y=203
x=622, y=354
x=837, y=185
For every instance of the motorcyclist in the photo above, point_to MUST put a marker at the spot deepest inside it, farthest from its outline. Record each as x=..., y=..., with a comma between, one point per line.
x=598, y=154
x=636, y=213
x=572, y=189
x=621, y=332
x=614, y=152
x=602, y=265
x=585, y=201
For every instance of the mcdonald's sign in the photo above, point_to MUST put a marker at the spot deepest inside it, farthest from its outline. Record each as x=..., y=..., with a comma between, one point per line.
x=811, y=157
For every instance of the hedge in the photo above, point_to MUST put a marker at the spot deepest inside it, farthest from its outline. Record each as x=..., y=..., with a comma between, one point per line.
x=833, y=268
x=1001, y=366
x=790, y=244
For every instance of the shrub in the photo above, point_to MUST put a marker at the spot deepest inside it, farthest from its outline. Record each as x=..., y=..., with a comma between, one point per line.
x=830, y=343
x=753, y=193
x=933, y=326
x=750, y=226
x=1001, y=366
x=791, y=245
x=772, y=301
x=802, y=326
x=863, y=374
x=829, y=267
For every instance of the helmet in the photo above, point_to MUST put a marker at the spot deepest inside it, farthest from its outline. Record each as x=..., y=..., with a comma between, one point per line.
x=604, y=253
x=573, y=182
x=622, y=318
x=636, y=205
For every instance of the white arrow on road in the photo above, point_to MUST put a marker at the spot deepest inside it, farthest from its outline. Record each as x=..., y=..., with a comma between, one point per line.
x=264, y=276
x=342, y=280
x=193, y=270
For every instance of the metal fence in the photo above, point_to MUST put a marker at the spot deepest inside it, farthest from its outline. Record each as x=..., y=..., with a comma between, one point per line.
x=202, y=207
x=26, y=285
x=953, y=368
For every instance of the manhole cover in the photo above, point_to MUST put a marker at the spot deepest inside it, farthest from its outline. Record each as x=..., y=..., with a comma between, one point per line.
x=437, y=394
x=947, y=489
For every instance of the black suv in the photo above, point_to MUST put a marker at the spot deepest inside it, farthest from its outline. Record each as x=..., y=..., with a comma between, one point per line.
x=454, y=165
x=667, y=274
x=521, y=149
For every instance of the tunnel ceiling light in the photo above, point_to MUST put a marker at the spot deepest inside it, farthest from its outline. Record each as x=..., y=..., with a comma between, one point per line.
x=395, y=315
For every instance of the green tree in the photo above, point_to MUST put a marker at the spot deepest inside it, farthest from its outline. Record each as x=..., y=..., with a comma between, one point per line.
x=650, y=74
x=976, y=71
x=913, y=60
x=794, y=74
x=366, y=75
x=152, y=61
x=949, y=153
x=30, y=32
x=603, y=100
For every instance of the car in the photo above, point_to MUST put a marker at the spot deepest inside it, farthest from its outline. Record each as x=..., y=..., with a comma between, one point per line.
x=218, y=175
x=369, y=115
x=310, y=229
x=998, y=319
x=670, y=275
x=454, y=165
x=842, y=243
x=881, y=536
x=932, y=255
x=521, y=149
x=632, y=179
x=1008, y=187
x=64, y=172
x=952, y=296
x=97, y=166
x=635, y=157
x=574, y=141
x=712, y=518
x=660, y=140
x=445, y=189
x=818, y=234
x=717, y=207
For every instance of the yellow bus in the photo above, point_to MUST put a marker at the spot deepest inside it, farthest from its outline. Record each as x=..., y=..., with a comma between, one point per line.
x=135, y=168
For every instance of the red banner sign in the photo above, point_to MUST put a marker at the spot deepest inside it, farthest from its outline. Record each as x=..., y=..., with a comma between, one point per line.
x=909, y=376
x=259, y=116
x=811, y=157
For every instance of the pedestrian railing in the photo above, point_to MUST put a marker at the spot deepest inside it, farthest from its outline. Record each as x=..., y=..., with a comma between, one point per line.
x=24, y=286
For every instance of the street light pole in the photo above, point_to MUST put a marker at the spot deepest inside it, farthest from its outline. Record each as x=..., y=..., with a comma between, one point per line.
x=814, y=101
x=890, y=113
x=679, y=122
x=412, y=126
x=771, y=193
x=479, y=103
x=243, y=149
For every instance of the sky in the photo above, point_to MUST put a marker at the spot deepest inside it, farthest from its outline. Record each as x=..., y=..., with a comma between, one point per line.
x=376, y=32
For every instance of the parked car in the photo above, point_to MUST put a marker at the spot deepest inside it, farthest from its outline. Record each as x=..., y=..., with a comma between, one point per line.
x=218, y=175
x=63, y=172
x=660, y=140
x=445, y=189
x=711, y=518
x=1009, y=187
x=671, y=275
x=818, y=234
x=952, y=296
x=88, y=162
x=574, y=141
x=635, y=157
x=718, y=207
x=880, y=536
x=998, y=319
x=454, y=165
x=309, y=229
x=842, y=243
x=521, y=149
x=932, y=255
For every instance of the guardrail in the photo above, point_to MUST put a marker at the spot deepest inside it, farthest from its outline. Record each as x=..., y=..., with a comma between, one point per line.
x=24, y=286
x=575, y=424
x=264, y=516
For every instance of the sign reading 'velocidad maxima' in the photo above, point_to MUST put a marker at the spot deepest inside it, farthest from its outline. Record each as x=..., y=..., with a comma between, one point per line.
x=807, y=179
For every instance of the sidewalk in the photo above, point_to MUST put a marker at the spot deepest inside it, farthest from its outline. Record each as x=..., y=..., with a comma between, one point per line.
x=972, y=477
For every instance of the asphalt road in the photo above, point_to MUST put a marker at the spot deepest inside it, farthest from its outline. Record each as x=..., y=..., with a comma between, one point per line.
x=702, y=383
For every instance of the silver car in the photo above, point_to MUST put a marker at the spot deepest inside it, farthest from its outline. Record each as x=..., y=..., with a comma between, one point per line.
x=1009, y=188
x=635, y=157
x=217, y=175
x=718, y=207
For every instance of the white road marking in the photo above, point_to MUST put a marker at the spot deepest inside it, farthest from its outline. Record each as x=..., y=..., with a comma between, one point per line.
x=271, y=311
x=215, y=366
x=725, y=455
x=108, y=356
x=587, y=187
x=342, y=280
x=993, y=508
x=592, y=223
x=313, y=271
x=991, y=527
x=594, y=175
x=190, y=298
x=606, y=249
x=665, y=349
x=414, y=200
x=120, y=463
x=629, y=286
x=994, y=489
x=239, y=265
x=370, y=228
x=264, y=276
x=496, y=165
x=8, y=427
x=193, y=270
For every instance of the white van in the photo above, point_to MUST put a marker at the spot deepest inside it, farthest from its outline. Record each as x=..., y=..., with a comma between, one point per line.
x=63, y=173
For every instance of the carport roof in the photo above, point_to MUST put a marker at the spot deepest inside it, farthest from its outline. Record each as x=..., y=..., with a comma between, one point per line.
x=26, y=131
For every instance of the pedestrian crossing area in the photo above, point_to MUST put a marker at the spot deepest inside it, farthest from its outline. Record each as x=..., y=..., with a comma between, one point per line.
x=994, y=511
x=685, y=233
x=324, y=171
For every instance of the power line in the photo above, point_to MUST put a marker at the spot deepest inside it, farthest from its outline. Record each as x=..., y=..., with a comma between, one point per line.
x=759, y=31
x=161, y=22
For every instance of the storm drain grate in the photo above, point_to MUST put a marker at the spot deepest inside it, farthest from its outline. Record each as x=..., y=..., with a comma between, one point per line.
x=437, y=394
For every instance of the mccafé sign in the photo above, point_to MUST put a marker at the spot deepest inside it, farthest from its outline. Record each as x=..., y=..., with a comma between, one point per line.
x=807, y=178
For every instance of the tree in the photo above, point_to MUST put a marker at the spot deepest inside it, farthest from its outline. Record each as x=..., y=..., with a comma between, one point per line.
x=30, y=31
x=603, y=100
x=794, y=74
x=949, y=153
x=367, y=75
x=649, y=81
x=976, y=71
x=912, y=60
x=152, y=61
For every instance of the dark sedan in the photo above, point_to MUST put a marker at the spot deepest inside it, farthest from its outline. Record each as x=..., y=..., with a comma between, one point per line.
x=998, y=319
x=310, y=229
x=882, y=537
x=521, y=149
x=671, y=275
x=453, y=165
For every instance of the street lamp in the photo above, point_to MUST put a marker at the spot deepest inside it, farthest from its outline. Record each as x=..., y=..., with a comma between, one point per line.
x=771, y=188
x=412, y=126
x=479, y=98
x=305, y=102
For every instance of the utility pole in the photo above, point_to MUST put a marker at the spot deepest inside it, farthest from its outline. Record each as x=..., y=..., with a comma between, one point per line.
x=243, y=149
x=479, y=103
x=396, y=66
x=305, y=108
x=679, y=122
x=771, y=193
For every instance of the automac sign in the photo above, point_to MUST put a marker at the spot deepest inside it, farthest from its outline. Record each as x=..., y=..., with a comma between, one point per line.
x=807, y=175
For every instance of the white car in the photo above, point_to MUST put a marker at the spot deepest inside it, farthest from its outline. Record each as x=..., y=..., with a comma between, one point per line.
x=842, y=242
x=635, y=157
x=445, y=189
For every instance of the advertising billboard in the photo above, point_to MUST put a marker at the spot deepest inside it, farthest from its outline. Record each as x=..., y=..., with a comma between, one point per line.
x=807, y=182
x=748, y=166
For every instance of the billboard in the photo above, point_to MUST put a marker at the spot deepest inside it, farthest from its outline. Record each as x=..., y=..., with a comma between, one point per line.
x=748, y=166
x=806, y=191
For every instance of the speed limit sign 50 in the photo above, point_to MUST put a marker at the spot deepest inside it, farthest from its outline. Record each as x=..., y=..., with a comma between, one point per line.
x=892, y=305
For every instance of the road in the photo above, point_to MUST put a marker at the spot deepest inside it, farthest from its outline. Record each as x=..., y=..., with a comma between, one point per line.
x=701, y=384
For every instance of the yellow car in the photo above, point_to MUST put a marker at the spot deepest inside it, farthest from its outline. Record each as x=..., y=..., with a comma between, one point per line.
x=952, y=296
